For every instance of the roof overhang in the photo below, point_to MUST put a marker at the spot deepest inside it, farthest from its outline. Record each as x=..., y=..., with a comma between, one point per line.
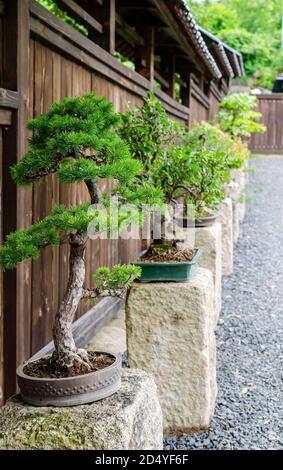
x=185, y=30
x=228, y=58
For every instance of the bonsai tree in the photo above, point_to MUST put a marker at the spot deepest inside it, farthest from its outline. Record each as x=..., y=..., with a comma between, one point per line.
x=149, y=132
x=156, y=141
x=210, y=156
x=238, y=117
x=76, y=139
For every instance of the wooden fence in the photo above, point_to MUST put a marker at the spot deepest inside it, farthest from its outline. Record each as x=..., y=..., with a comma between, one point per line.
x=44, y=60
x=271, y=108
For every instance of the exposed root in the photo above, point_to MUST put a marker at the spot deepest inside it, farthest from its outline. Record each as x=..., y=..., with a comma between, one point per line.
x=77, y=360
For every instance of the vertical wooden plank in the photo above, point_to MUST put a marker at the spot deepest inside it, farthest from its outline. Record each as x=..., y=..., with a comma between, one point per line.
x=1, y=285
x=168, y=67
x=24, y=196
x=65, y=195
x=43, y=196
x=56, y=96
x=9, y=136
x=144, y=57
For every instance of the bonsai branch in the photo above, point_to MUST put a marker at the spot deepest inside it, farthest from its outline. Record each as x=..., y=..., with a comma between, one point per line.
x=99, y=292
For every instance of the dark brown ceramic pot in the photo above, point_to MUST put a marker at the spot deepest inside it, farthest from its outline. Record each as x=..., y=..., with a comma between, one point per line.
x=69, y=391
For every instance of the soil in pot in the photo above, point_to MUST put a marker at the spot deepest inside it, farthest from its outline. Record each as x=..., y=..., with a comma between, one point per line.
x=48, y=367
x=159, y=264
x=164, y=253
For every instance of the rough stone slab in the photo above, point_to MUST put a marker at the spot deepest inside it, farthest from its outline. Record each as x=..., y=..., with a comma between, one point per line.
x=210, y=239
x=233, y=191
x=170, y=333
x=130, y=419
x=236, y=222
x=239, y=176
x=226, y=218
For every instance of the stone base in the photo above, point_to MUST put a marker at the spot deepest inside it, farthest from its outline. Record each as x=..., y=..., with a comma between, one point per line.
x=233, y=191
x=240, y=179
x=210, y=239
x=131, y=419
x=170, y=333
x=239, y=176
x=226, y=218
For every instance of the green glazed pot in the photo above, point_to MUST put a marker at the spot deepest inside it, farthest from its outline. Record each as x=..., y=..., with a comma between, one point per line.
x=165, y=271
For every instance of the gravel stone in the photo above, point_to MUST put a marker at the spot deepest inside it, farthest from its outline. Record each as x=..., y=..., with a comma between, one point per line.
x=249, y=335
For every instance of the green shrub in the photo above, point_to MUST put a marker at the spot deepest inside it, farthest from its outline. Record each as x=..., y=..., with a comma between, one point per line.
x=149, y=131
x=238, y=117
x=209, y=161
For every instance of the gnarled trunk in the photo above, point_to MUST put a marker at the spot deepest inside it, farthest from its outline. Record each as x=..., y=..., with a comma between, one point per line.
x=65, y=349
x=66, y=352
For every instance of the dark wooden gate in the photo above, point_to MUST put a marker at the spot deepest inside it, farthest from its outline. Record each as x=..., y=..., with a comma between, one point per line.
x=271, y=108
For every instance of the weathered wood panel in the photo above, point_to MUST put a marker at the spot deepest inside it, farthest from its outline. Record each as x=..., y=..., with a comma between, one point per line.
x=271, y=108
x=54, y=77
x=1, y=284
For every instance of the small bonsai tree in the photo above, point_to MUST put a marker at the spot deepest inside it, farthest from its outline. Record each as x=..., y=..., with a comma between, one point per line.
x=210, y=156
x=156, y=141
x=149, y=132
x=238, y=117
x=77, y=140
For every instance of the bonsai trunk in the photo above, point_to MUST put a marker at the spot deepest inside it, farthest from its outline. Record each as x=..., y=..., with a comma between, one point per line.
x=66, y=352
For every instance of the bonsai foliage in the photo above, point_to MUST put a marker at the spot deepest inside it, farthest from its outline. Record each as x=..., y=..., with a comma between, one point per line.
x=209, y=160
x=238, y=117
x=77, y=139
x=149, y=132
x=157, y=141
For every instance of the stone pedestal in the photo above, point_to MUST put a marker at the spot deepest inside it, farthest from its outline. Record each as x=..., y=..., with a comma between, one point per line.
x=129, y=419
x=233, y=191
x=210, y=239
x=240, y=178
x=226, y=218
x=170, y=333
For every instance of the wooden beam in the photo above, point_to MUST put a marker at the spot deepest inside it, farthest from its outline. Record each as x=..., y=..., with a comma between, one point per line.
x=80, y=15
x=185, y=91
x=168, y=70
x=106, y=16
x=2, y=8
x=9, y=98
x=159, y=77
x=198, y=94
x=144, y=59
x=127, y=32
x=5, y=117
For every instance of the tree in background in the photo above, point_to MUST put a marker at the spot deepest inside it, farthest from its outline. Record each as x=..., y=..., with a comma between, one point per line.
x=253, y=27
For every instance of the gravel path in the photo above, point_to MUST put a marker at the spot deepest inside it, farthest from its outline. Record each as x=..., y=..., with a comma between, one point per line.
x=249, y=412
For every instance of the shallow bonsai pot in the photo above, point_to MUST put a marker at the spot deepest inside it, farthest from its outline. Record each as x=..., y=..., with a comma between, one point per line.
x=201, y=222
x=69, y=391
x=168, y=271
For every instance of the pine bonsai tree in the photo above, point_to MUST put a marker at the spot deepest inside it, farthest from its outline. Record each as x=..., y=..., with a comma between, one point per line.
x=76, y=139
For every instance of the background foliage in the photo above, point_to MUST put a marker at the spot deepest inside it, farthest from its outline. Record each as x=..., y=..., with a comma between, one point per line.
x=252, y=27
